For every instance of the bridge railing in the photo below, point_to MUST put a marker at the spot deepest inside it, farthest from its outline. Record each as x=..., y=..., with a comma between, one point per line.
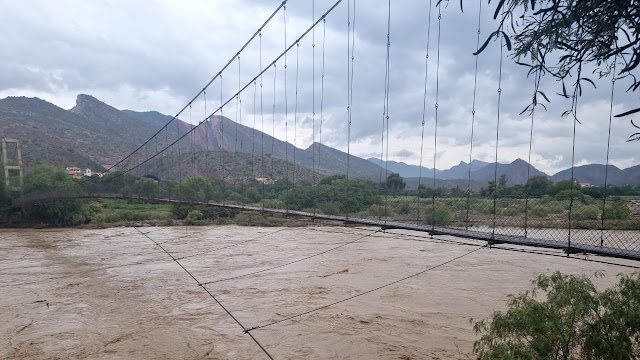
x=614, y=223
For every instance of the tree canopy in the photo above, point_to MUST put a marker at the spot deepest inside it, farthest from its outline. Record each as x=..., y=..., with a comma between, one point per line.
x=572, y=320
x=568, y=39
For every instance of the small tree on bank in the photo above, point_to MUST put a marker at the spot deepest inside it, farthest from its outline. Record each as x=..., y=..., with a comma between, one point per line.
x=570, y=320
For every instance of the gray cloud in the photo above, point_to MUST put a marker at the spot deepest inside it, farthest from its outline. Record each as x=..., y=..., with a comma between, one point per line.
x=155, y=56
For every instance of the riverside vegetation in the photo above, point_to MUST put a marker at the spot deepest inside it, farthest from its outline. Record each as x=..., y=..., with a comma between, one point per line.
x=545, y=203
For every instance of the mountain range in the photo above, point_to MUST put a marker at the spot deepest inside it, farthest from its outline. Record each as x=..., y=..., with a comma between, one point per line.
x=516, y=172
x=96, y=135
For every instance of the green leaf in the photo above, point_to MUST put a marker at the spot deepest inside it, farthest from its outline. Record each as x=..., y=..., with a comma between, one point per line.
x=506, y=40
x=544, y=96
x=486, y=42
x=500, y=4
x=628, y=113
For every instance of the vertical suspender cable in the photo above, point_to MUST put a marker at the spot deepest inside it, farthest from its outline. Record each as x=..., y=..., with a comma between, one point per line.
x=313, y=105
x=386, y=166
x=175, y=117
x=207, y=129
x=350, y=70
x=240, y=112
x=573, y=154
x=324, y=36
x=262, y=126
x=273, y=123
x=385, y=115
x=253, y=136
x=528, y=188
x=435, y=127
x=224, y=186
x=295, y=115
x=495, y=169
x=424, y=106
x=168, y=162
x=193, y=154
x=157, y=170
x=286, y=106
x=606, y=168
x=235, y=144
x=473, y=115
x=179, y=160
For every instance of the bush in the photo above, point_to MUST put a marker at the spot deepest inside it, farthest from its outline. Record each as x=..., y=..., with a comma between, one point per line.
x=440, y=216
x=573, y=321
x=587, y=212
x=616, y=210
x=538, y=211
x=179, y=212
x=252, y=194
x=330, y=208
x=512, y=210
x=555, y=207
x=193, y=217
x=403, y=209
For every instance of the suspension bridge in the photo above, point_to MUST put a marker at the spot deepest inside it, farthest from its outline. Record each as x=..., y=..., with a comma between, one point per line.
x=182, y=151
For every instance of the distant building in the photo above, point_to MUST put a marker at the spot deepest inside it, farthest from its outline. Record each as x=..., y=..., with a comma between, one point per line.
x=264, y=180
x=78, y=173
x=585, y=184
x=74, y=172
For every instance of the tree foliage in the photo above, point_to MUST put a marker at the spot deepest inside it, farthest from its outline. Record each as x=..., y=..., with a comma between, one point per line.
x=569, y=39
x=570, y=320
x=395, y=182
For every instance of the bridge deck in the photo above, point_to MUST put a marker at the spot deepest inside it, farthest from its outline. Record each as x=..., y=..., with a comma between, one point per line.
x=494, y=238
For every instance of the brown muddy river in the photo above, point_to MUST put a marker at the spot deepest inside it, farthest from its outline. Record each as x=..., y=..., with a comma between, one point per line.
x=114, y=294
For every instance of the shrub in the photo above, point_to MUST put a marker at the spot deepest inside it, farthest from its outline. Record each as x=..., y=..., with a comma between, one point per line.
x=587, y=212
x=573, y=321
x=538, y=211
x=330, y=208
x=616, y=210
x=403, y=208
x=179, y=211
x=512, y=210
x=441, y=215
x=193, y=217
x=555, y=207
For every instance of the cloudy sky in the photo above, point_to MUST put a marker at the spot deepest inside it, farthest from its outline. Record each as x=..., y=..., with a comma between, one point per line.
x=156, y=55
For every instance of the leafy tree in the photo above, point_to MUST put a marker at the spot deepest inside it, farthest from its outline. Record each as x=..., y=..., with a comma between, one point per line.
x=327, y=180
x=58, y=213
x=395, y=182
x=491, y=189
x=146, y=187
x=616, y=209
x=537, y=185
x=335, y=193
x=564, y=187
x=252, y=194
x=502, y=181
x=517, y=189
x=571, y=321
x=457, y=192
x=46, y=177
x=193, y=188
x=565, y=39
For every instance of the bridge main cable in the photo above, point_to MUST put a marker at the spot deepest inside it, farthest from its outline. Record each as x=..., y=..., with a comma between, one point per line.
x=244, y=87
x=206, y=86
x=244, y=329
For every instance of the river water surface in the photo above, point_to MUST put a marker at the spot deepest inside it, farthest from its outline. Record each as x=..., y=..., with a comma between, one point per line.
x=113, y=293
